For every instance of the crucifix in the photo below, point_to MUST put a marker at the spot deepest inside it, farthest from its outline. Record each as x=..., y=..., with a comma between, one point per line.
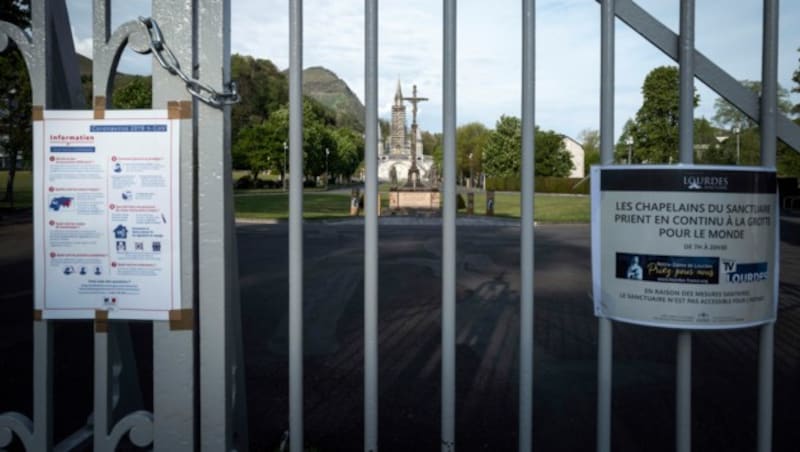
x=413, y=172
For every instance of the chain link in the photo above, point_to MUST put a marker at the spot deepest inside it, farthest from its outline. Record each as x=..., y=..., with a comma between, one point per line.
x=166, y=58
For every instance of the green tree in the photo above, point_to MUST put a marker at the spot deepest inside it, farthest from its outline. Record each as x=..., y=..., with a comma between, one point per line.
x=138, y=93
x=349, y=153
x=263, y=88
x=15, y=97
x=590, y=141
x=502, y=153
x=501, y=156
x=727, y=116
x=655, y=131
x=252, y=149
x=429, y=141
x=622, y=149
x=552, y=158
x=706, y=145
x=788, y=159
x=470, y=141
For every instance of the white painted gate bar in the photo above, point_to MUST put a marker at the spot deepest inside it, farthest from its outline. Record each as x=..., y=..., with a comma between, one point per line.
x=605, y=345
x=526, y=226
x=371, y=206
x=449, y=207
x=769, y=130
x=683, y=361
x=296, y=225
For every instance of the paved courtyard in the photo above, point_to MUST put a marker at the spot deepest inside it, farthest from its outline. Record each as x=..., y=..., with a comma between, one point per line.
x=724, y=378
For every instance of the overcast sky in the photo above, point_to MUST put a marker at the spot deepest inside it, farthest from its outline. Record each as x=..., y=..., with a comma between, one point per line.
x=489, y=51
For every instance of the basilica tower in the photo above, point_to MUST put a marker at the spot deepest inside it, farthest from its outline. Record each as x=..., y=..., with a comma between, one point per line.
x=397, y=142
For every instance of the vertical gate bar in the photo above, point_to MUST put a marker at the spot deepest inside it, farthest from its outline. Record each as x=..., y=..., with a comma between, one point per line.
x=605, y=327
x=43, y=384
x=449, y=231
x=526, y=225
x=215, y=228
x=683, y=403
x=371, y=228
x=769, y=84
x=101, y=30
x=296, y=225
x=686, y=62
x=173, y=351
x=768, y=124
x=42, y=329
x=765, y=386
x=683, y=377
x=102, y=407
x=604, y=379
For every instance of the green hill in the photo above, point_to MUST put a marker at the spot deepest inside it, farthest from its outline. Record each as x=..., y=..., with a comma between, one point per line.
x=327, y=88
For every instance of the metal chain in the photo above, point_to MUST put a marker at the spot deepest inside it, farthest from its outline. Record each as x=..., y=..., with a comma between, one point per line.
x=166, y=58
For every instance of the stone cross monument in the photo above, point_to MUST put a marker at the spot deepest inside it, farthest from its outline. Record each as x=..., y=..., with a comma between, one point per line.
x=413, y=172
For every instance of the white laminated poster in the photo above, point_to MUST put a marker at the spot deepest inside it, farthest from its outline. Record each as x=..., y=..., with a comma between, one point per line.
x=106, y=214
x=687, y=246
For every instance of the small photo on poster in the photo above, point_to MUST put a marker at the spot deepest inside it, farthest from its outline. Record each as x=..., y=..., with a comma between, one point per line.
x=668, y=269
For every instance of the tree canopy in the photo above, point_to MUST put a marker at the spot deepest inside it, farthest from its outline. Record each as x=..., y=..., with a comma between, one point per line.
x=655, y=129
x=15, y=96
x=502, y=153
x=727, y=116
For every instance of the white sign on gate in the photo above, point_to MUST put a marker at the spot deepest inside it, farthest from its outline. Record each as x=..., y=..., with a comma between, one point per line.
x=106, y=214
x=692, y=247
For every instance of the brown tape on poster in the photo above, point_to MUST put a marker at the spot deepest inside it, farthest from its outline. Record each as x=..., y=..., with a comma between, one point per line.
x=179, y=110
x=37, y=113
x=100, y=321
x=37, y=315
x=99, y=107
x=181, y=319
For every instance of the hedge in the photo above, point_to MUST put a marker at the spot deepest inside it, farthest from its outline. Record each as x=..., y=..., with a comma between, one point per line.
x=542, y=184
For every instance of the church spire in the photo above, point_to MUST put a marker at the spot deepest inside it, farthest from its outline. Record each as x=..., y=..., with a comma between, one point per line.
x=398, y=95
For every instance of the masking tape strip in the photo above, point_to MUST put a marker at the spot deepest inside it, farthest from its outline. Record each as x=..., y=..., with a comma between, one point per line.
x=100, y=321
x=37, y=315
x=179, y=109
x=99, y=107
x=37, y=113
x=181, y=319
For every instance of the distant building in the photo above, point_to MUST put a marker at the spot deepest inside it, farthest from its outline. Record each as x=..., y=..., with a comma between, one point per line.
x=576, y=154
x=395, y=152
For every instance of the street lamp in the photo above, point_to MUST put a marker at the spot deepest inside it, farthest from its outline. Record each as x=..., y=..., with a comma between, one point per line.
x=629, y=142
x=737, y=130
x=327, y=153
x=471, y=180
x=285, y=148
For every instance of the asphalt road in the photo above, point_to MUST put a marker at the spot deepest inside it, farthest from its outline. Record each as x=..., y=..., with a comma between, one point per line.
x=724, y=373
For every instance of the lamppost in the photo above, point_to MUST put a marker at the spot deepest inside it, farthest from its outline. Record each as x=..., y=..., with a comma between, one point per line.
x=737, y=130
x=285, y=148
x=327, y=153
x=629, y=142
x=471, y=179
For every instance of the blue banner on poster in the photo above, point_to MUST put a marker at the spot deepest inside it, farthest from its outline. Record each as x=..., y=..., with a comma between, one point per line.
x=668, y=269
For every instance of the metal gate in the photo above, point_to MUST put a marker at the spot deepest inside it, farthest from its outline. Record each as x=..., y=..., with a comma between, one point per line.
x=198, y=379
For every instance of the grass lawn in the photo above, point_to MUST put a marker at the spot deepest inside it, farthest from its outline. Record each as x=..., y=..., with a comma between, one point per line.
x=275, y=205
x=548, y=208
x=23, y=189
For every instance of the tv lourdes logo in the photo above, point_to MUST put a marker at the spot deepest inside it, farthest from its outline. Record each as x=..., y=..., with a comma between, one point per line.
x=738, y=273
x=706, y=182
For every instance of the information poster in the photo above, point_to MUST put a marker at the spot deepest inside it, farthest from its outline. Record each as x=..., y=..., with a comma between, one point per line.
x=691, y=247
x=106, y=214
